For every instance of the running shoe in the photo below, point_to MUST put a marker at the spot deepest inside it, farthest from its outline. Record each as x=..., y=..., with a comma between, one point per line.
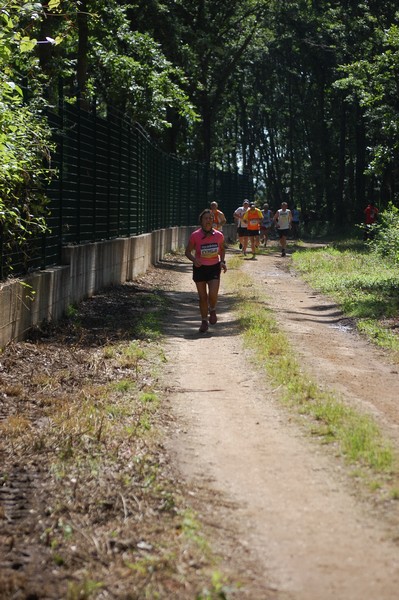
x=204, y=327
x=213, y=317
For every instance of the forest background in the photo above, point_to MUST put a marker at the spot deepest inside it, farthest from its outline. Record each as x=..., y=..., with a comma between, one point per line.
x=301, y=95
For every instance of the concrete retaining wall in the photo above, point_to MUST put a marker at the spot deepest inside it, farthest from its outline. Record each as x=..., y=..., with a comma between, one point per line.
x=86, y=269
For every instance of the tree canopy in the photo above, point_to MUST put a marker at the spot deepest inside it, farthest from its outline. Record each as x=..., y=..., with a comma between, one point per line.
x=301, y=95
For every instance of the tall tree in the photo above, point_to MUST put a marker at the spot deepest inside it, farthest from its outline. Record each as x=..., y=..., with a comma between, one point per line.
x=208, y=40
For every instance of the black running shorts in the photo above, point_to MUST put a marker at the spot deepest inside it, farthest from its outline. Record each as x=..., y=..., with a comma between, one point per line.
x=206, y=272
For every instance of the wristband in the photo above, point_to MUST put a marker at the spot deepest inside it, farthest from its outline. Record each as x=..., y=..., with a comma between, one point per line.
x=222, y=262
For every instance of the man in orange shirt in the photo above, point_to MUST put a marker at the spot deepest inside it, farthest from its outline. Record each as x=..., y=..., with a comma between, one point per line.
x=253, y=218
x=218, y=217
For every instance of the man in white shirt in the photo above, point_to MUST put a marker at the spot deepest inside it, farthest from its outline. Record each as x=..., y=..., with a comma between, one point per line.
x=282, y=220
x=241, y=225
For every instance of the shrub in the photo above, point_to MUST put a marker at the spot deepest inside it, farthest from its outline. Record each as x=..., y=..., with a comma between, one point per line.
x=24, y=133
x=385, y=241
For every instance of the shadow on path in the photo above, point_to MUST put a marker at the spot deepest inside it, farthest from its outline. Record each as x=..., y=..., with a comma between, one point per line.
x=183, y=318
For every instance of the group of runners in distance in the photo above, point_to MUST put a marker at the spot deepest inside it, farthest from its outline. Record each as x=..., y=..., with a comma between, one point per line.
x=206, y=246
x=255, y=225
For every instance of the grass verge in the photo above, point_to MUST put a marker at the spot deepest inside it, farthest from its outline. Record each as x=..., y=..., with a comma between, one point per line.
x=355, y=436
x=363, y=285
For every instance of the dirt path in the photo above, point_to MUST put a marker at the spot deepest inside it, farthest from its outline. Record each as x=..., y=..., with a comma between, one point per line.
x=280, y=506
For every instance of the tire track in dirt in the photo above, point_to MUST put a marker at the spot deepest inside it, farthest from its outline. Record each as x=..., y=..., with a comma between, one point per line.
x=291, y=526
x=328, y=345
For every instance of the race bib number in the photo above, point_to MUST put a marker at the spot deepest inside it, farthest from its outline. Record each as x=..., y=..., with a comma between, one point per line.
x=209, y=250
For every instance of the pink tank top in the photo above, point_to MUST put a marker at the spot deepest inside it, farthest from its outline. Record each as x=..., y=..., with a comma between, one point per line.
x=207, y=247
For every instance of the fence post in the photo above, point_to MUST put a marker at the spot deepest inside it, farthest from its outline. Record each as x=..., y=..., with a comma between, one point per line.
x=109, y=170
x=129, y=178
x=78, y=167
x=61, y=166
x=94, y=199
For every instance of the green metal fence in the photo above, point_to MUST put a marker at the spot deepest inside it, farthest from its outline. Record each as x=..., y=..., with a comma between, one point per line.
x=113, y=181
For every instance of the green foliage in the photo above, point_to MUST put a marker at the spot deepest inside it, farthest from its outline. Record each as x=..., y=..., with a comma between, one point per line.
x=373, y=82
x=123, y=69
x=208, y=41
x=118, y=67
x=138, y=80
x=386, y=235
x=24, y=134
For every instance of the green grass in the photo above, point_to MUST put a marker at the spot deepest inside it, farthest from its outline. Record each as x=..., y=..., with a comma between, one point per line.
x=150, y=324
x=362, y=283
x=355, y=436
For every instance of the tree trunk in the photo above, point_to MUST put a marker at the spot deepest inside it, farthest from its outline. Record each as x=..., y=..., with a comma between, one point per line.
x=340, y=207
x=360, y=161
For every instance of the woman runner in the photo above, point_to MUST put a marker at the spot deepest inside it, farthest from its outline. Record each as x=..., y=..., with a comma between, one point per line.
x=207, y=244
